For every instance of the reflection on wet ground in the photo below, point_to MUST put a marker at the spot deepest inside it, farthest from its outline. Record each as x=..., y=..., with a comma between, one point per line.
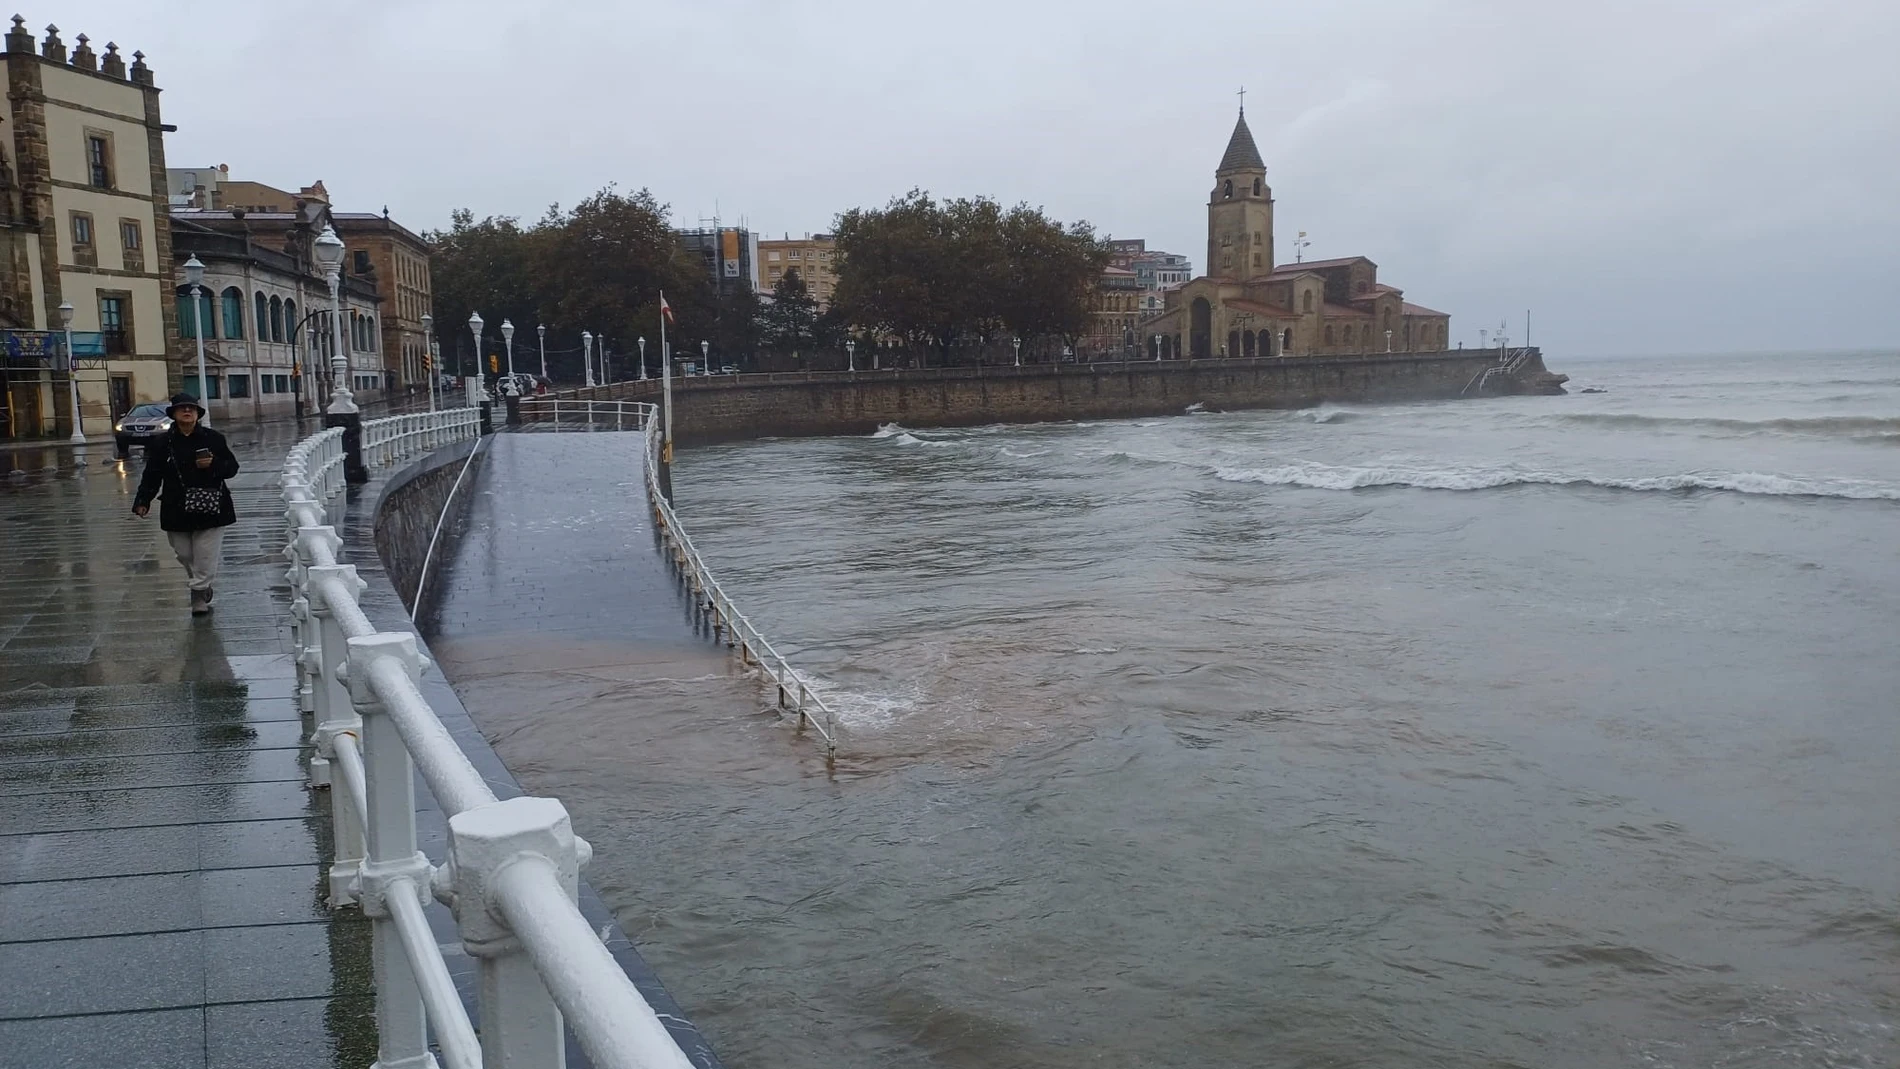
x=160, y=890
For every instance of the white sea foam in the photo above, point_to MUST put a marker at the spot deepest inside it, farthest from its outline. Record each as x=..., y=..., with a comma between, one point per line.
x=888, y=430
x=1330, y=477
x=1328, y=414
x=1008, y=452
x=1196, y=408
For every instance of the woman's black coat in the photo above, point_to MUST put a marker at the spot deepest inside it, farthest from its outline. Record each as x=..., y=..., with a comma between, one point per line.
x=168, y=478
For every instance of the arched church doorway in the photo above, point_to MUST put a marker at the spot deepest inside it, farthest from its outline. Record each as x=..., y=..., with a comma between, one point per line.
x=1200, y=329
x=1233, y=344
x=1246, y=344
x=1286, y=340
x=1266, y=343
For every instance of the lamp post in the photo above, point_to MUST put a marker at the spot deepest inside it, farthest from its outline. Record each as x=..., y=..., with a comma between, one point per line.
x=1017, y=343
x=851, y=355
x=428, y=355
x=600, y=357
x=587, y=355
x=705, y=354
x=643, y=357
x=475, y=328
x=1388, y=341
x=72, y=377
x=508, y=342
x=329, y=254
x=194, y=277
x=541, y=332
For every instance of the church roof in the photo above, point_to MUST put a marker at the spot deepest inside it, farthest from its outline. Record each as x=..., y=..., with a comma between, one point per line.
x=1310, y=265
x=1241, y=155
x=1411, y=309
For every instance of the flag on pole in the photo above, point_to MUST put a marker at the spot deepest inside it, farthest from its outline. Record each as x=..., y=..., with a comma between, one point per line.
x=665, y=308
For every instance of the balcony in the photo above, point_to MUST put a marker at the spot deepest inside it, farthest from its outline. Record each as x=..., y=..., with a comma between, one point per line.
x=47, y=348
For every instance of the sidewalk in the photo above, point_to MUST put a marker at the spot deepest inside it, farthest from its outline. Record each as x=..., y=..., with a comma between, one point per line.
x=160, y=883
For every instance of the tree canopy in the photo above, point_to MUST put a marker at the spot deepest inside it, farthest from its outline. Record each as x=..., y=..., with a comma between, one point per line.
x=961, y=270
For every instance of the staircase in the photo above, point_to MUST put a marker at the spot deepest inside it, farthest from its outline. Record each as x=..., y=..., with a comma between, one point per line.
x=1510, y=361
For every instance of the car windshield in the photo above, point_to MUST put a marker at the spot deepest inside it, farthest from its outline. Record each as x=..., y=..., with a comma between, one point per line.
x=147, y=412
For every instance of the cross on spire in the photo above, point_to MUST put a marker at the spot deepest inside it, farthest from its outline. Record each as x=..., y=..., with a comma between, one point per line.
x=1243, y=99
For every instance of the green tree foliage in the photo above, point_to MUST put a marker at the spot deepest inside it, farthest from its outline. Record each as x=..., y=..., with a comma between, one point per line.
x=790, y=322
x=598, y=267
x=964, y=270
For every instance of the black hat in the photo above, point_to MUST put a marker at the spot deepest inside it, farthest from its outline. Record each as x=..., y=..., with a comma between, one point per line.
x=185, y=399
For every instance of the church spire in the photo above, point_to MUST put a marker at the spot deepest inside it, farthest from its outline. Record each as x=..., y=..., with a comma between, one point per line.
x=1241, y=155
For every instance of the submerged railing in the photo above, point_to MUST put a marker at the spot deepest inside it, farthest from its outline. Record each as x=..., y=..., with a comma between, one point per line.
x=722, y=616
x=512, y=871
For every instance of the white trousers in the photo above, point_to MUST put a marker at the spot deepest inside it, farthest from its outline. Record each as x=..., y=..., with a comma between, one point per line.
x=198, y=551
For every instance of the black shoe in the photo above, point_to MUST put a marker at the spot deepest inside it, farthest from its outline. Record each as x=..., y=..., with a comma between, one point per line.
x=199, y=603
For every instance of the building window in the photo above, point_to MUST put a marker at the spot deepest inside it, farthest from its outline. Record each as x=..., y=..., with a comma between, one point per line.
x=82, y=229
x=276, y=319
x=240, y=386
x=1256, y=259
x=188, y=321
x=369, y=333
x=114, y=328
x=266, y=384
x=794, y=255
x=262, y=307
x=362, y=262
x=129, y=236
x=99, y=160
x=233, y=312
x=212, y=383
x=1228, y=189
x=772, y=257
x=283, y=383
x=1306, y=301
x=290, y=322
x=1256, y=187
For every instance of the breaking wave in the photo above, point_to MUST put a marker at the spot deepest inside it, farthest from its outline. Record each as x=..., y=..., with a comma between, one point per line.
x=1839, y=426
x=1329, y=477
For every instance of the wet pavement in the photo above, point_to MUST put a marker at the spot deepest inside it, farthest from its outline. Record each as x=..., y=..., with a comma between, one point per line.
x=160, y=883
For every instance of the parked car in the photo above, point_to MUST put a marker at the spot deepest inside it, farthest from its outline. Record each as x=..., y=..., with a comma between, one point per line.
x=728, y=369
x=140, y=426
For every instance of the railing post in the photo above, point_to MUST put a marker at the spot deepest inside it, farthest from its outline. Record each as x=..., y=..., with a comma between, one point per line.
x=311, y=697
x=335, y=715
x=392, y=863
x=521, y=1027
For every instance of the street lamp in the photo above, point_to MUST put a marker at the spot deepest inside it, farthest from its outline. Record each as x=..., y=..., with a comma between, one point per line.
x=428, y=355
x=643, y=356
x=705, y=349
x=329, y=253
x=72, y=377
x=195, y=277
x=587, y=354
x=475, y=328
x=1388, y=341
x=541, y=332
x=851, y=355
x=1018, y=343
x=508, y=342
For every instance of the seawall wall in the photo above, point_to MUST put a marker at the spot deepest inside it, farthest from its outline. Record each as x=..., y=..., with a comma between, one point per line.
x=794, y=404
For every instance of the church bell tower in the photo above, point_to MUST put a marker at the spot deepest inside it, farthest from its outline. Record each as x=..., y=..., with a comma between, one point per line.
x=1240, y=212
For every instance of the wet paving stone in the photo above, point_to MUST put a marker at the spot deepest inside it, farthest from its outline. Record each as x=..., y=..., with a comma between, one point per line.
x=161, y=878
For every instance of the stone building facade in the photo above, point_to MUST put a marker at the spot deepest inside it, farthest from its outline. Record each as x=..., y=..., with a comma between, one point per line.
x=394, y=261
x=1246, y=305
x=82, y=222
x=265, y=311
x=813, y=256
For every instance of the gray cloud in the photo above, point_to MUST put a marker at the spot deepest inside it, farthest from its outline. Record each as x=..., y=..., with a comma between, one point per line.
x=1659, y=176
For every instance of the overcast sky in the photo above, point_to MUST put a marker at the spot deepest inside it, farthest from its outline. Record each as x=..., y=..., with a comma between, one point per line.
x=1643, y=175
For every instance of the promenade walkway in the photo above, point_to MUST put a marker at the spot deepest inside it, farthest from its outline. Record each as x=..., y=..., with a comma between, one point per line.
x=160, y=889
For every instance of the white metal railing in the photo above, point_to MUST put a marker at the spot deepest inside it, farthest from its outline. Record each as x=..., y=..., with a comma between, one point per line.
x=1509, y=361
x=511, y=876
x=727, y=622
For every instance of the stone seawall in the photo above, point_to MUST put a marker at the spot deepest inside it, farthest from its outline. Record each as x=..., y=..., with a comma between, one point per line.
x=729, y=407
x=406, y=513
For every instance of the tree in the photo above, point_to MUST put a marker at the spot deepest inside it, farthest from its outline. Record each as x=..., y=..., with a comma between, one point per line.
x=789, y=323
x=964, y=269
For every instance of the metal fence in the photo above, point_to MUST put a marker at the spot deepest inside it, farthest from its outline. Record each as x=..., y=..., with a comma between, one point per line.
x=511, y=874
x=727, y=623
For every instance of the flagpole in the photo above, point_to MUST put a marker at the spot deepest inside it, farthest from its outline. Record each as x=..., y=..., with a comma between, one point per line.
x=666, y=390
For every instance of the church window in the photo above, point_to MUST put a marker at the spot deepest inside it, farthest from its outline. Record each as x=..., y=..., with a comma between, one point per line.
x=1256, y=237
x=1359, y=286
x=1329, y=335
x=1365, y=335
x=1256, y=259
x=1306, y=301
x=1228, y=190
x=1256, y=187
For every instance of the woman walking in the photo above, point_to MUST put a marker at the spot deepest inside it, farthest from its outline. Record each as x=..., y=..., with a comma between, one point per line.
x=186, y=469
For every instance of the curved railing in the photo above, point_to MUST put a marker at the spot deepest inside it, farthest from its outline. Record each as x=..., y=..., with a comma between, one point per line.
x=512, y=872
x=727, y=622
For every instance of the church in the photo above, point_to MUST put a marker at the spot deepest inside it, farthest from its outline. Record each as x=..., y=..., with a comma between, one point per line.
x=1247, y=306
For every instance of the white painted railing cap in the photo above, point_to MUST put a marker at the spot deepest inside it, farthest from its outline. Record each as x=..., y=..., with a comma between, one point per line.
x=487, y=839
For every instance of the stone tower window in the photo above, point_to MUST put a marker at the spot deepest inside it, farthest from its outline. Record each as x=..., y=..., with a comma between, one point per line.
x=1228, y=189
x=1256, y=187
x=1306, y=301
x=1256, y=237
